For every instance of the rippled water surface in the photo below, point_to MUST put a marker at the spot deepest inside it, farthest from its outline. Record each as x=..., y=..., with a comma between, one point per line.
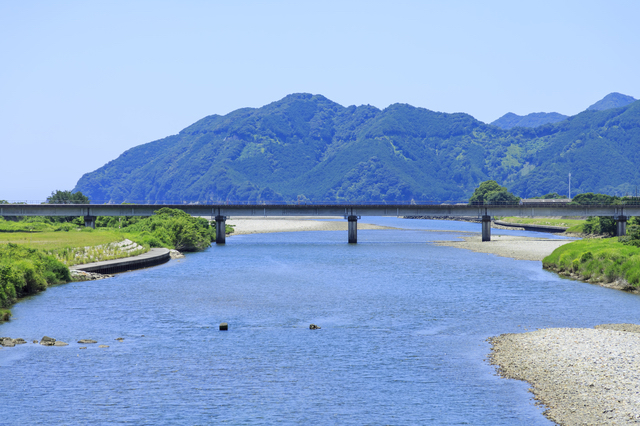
x=404, y=324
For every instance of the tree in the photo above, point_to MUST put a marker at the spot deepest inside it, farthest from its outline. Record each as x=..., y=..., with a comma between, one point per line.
x=67, y=197
x=490, y=192
x=599, y=225
x=550, y=196
x=175, y=228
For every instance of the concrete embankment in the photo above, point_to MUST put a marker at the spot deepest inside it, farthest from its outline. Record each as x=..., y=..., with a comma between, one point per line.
x=528, y=227
x=155, y=256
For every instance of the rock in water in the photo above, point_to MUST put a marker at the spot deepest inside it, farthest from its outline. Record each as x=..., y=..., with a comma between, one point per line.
x=47, y=341
x=59, y=343
x=224, y=326
x=85, y=341
x=7, y=342
x=314, y=327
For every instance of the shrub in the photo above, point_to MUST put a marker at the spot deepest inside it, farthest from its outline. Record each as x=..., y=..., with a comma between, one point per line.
x=586, y=257
x=25, y=271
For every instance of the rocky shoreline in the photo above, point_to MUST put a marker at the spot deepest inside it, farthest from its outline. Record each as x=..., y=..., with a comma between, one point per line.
x=582, y=376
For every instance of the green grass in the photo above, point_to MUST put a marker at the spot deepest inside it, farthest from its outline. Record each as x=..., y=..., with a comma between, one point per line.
x=597, y=260
x=574, y=225
x=75, y=247
x=48, y=241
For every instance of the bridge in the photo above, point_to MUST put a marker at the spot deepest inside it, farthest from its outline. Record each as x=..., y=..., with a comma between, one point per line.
x=350, y=212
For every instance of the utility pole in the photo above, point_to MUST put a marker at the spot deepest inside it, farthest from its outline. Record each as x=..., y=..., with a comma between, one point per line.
x=569, y=186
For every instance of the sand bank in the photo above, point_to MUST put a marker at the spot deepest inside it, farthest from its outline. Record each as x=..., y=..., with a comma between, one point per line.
x=582, y=376
x=521, y=248
x=251, y=225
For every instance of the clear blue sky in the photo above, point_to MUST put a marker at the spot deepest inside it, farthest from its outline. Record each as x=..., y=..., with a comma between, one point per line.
x=82, y=81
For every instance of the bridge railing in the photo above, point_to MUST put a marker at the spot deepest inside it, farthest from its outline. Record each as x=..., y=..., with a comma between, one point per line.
x=160, y=203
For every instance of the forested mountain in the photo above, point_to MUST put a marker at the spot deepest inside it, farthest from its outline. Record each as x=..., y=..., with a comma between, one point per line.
x=612, y=100
x=535, y=119
x=306, y=147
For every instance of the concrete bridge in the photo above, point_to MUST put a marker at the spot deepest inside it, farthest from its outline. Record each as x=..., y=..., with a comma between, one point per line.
x=351, y=212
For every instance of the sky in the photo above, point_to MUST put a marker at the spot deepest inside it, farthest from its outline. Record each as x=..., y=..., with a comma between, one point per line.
x=81, y=82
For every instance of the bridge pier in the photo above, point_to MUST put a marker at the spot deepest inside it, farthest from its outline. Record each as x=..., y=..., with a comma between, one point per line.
x=90, y=222
x=353, y=229
x=621, y=226
x=220, y=229
x=486, y=228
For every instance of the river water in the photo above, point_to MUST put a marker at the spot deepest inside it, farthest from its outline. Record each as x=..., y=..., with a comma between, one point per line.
x=403, y=338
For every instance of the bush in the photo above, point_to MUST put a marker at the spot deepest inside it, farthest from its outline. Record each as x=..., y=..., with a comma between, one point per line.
x=176, y=229
x=25, y=271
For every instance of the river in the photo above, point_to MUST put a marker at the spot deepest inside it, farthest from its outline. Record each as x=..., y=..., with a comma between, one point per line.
x=403, y=334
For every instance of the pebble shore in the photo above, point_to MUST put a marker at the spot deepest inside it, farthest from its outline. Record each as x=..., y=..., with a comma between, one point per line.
x=521, y=248
x=582, y=376
x=256, y=225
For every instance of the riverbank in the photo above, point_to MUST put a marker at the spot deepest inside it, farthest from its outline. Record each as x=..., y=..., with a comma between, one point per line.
x=251, y=225
x=582, y=376
x=520, y=248
x=607, y=262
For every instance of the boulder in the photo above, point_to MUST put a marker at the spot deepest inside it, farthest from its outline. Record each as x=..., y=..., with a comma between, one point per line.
x=19, y=341
x=85, y=341
x=314, y=327
x=120, y=339
x=82, y=347
x=47, y=341
x=175, y=254
x=7, y=342
x=59, y=343
x=103, y=346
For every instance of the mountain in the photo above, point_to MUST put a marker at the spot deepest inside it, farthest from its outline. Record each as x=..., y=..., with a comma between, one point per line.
x=306, y=147
x=535, y=119
x=612, y=100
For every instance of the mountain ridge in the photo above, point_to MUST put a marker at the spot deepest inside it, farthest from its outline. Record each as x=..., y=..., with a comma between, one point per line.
x=308, y=147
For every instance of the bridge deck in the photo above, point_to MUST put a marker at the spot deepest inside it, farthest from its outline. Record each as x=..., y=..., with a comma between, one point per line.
x=340, y=210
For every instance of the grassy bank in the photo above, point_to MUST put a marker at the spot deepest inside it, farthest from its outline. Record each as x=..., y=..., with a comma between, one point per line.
x=574, y=225
x=25, y=271
x=597, y=260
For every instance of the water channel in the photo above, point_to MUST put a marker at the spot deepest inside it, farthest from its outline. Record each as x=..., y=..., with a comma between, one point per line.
x=403, y=338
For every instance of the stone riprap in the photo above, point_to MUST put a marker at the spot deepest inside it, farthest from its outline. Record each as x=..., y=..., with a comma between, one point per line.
x=582, y=376
x=77, y=275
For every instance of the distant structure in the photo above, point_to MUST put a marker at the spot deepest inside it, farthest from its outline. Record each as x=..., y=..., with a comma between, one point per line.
x=525, y=201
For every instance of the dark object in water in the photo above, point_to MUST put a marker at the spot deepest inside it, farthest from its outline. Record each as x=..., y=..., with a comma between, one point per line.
x=314, y=327
x=224, y=326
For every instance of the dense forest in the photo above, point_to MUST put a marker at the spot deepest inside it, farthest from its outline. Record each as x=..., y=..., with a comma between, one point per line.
x=306, y=148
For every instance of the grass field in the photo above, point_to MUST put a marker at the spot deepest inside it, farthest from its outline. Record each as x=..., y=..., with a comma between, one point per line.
x=49, y=241
x=74, y=247
x=574, y=225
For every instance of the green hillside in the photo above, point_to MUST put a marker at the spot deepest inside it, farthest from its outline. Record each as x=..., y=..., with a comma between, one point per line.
x=612, y=100
x=535, y=119
x=309, y=148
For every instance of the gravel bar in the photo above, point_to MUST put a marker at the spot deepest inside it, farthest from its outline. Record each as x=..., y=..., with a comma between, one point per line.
x=582, y=376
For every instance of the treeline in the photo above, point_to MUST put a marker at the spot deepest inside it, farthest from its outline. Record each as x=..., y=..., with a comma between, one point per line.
x=604, y=225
